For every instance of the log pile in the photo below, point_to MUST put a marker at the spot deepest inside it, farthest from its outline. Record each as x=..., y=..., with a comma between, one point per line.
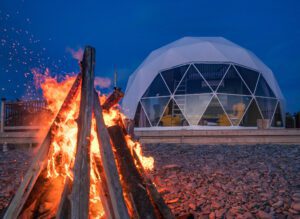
x=125, y=190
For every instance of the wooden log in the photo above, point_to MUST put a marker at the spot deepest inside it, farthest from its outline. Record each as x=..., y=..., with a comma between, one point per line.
x=64, y=207
x=157, y=199
x=133, y=181
x=108, y=161
x=103, y=189
x=113, y=99
x=39, y=161
x=81, y=184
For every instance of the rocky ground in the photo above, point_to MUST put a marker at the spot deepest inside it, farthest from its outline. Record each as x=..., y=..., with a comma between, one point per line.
x=205, y=181
x=228, y=181
x=13, y=166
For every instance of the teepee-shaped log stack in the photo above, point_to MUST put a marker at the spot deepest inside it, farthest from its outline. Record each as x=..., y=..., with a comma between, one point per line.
x=125, y=191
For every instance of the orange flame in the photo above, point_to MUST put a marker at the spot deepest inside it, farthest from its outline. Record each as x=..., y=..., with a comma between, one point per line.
x=64, y=137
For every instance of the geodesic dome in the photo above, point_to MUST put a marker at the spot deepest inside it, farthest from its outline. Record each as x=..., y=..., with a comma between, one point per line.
x=198, y=81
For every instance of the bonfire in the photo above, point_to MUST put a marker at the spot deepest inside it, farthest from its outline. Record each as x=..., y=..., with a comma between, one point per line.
x=87, y=166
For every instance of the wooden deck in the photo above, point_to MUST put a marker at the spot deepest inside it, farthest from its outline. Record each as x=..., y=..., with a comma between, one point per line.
x=211, y=137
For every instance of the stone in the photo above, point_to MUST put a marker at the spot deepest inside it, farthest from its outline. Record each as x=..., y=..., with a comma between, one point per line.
x=296, y=206
x=278, y=204
x=263, y=215
x=212, y=215
x=248, y=215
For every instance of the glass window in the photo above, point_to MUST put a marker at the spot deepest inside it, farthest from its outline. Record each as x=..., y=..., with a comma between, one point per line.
x=249, y=76
x=235, y=106
x=266, y=106
x=172, y=116
x=213, y=73
x=193, y=106
x=140, y=118
x=157, y=88
x=173, y=76
x=214, y=115
x=263, y=88
x=192, y=83
x=277, y=119
x=232, y=83
x=154, y=108
x=251, y=116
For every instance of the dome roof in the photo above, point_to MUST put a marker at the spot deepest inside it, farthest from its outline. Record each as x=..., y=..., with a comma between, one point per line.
x=187, y=50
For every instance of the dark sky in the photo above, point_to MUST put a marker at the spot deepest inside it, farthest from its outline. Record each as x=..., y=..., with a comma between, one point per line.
x=39, y=34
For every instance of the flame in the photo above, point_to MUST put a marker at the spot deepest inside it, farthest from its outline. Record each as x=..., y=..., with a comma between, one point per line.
x=64, y=137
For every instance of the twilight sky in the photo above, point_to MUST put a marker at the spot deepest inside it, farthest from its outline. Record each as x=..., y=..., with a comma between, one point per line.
x=43, y=34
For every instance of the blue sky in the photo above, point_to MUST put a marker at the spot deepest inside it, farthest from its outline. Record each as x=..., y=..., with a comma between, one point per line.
x=37, y=34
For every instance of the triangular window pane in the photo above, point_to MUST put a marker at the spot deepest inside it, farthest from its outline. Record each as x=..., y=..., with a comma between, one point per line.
x=173, y=76
x=157, y=88
x=251, y=116
x=154, y=108
x=233, y=84
x=140, y=118
x=213, y=73
x=266, y=106
x=193, y=106
x=214, y=115
x=235, y=106
x=277, y=119
x=172, y=116
x=192, y=83
x=249, y=76
x=263, y=88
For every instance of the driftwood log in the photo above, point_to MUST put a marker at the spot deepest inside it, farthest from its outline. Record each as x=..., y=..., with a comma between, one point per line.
x=81, y=183
x=133, y=182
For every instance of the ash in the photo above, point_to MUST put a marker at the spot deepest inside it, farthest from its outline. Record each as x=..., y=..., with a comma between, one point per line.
x=13, y=166
x=254, y=181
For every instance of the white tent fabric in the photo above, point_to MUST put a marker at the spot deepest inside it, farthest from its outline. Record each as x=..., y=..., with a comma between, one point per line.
x=187, y=50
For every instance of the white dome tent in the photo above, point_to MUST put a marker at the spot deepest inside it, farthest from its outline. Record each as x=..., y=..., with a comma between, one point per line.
x=203, y=81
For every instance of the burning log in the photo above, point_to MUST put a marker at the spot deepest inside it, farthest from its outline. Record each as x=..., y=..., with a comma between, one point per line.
x=40, y=160
x=112, y=177
x=81, y=183
x=113, y=99
x=133, y=181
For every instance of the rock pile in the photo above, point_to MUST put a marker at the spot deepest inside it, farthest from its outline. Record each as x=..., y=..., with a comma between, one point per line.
x=258, y=181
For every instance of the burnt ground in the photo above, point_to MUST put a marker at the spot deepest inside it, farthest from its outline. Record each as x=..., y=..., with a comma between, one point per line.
x=258, y=181
x=261, y=181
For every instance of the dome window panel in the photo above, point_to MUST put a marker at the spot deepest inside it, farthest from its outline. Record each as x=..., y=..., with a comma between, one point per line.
x=157, y=88
x=249, y=76
x=140, y=118
x=233, y=84
x=213, y=73
x=266, y=106
x=193, y=106
x=192, y=83
x=172, y=116
x=277, y=118
x=154, y=107
x=173, y=76
x=235, y=106
x=251, y=116
x=214, y=115
x=263, y=89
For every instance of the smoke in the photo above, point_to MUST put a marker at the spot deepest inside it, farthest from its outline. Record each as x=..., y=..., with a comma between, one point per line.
x=76, y=54
x=102, y=82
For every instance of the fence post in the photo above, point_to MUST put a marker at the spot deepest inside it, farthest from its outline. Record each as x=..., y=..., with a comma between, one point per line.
x=2, y=116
